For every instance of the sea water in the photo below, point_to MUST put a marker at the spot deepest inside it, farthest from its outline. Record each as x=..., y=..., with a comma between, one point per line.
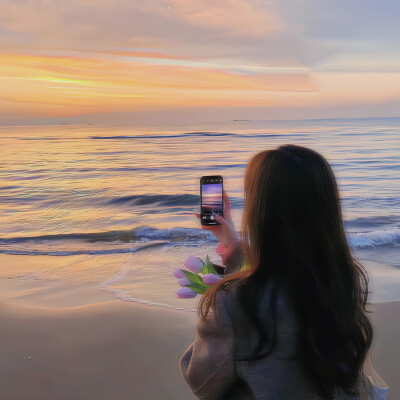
x=115, y=205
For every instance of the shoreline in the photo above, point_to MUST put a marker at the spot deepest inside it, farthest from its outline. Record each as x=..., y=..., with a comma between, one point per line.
x=63, y=340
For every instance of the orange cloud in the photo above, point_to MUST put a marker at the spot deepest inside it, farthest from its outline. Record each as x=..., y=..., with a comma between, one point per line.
x=74, y=84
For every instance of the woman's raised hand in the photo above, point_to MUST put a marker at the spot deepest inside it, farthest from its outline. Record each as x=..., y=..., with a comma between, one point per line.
x=226, y=231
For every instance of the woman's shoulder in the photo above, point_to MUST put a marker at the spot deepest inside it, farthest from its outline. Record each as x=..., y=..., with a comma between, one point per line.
x=272, y=302
x=230, y=292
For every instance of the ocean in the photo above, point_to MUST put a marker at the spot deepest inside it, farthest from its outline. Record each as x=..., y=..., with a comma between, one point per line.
x=115, y=205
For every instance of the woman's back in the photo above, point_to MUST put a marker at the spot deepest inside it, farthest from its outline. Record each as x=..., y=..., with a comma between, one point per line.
x=281, y=374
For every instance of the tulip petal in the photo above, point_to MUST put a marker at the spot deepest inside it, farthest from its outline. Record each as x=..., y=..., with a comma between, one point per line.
x=193, y=264
x=186, y=293
x=211, y=279
x=178, y=272
x=184, y=281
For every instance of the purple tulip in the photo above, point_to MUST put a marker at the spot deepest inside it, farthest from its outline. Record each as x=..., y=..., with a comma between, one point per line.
x=178, y=272
x=194, y=264
x=184, y=281
x=211, y=279
x=186, y=293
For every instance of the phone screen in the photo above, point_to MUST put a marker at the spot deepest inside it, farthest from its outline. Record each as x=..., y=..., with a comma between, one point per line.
x=211, y=189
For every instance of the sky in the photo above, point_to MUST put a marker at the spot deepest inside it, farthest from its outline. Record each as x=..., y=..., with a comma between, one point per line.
x=158, y=62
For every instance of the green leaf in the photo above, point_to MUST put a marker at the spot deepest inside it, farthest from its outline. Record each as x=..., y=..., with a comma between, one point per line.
x=213, y=271
x=194, y=278
x=208, y=268
x=201, y=261
x=197, y=289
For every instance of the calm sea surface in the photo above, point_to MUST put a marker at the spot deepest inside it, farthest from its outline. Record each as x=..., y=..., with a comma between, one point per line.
x=115, y=205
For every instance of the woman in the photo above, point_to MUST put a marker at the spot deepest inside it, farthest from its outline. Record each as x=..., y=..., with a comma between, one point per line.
x=292, y=324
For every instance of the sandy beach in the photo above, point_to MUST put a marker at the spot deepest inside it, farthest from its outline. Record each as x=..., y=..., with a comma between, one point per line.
x=64, y=341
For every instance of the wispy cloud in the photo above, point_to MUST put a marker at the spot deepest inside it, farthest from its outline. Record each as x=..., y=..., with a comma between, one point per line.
x=86, y=56
x=77, y=83
x=228, y=17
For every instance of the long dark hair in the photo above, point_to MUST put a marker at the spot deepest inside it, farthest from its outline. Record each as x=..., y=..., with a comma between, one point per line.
x=293, y=234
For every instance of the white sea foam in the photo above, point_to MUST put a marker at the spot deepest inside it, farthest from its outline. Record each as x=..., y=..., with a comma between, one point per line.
x=123, y=295
x=375, y=238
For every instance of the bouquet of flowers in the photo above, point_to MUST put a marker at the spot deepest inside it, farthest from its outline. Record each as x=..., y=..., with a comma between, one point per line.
x=191, y=281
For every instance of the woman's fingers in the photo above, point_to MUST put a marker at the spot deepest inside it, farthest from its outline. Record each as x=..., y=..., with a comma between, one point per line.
x=227, y=214
x=210, y=227
x=227, y=209
x=225, y=231
x=227, y=205
x=221, y=220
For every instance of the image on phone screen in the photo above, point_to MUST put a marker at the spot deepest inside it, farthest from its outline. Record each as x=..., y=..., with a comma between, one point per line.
x=211, y=190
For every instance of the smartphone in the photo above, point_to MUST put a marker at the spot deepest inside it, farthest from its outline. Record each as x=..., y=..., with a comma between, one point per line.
x=211, y=199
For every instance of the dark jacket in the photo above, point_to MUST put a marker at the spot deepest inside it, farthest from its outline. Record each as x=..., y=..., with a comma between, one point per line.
x=211, y=367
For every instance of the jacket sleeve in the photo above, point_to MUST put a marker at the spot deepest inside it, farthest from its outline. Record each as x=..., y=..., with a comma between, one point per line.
x=208, y=364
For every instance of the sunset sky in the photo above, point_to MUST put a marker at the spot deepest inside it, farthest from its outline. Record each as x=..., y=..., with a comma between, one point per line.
x=160, y=61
